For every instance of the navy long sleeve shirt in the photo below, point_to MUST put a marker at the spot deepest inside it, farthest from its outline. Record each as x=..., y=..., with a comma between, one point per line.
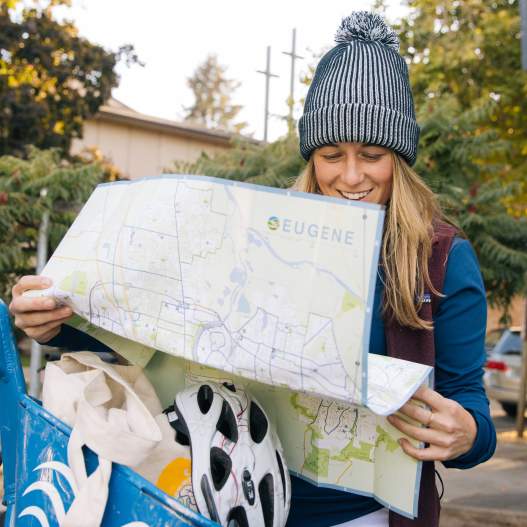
x=459, y=331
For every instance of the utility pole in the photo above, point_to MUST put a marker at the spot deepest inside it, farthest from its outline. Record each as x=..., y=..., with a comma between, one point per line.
x=520, y=416
x=291, y=102
x=36, y=349
x=268, y=76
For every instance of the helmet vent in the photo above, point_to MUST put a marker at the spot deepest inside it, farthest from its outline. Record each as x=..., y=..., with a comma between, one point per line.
x=230, y=386
x=205, y=397
x=265, y=490
x=282, y=472
x=209, y=500
x=227, y=423
x=220, y=467
x=177, y=422
x=182, y=438
x=237, y=518
x=258, y=424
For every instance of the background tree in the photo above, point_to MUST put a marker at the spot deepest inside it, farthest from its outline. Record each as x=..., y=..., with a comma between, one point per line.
x=51, y=79
x=213, y=91
x=461, y=166
x=469, y=50
x=22, y=204
x=275, y=164
x=469, y=89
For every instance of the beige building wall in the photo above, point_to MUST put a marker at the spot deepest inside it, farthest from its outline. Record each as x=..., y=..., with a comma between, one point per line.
x=140, y=145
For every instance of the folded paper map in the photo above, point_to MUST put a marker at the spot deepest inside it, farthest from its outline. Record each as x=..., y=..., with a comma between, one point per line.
x=271, y=286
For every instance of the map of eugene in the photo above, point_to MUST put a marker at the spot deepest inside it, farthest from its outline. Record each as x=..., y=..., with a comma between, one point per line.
x=262, y=284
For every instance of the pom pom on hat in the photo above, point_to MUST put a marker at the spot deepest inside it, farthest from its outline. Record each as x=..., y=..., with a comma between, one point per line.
x=366, y=26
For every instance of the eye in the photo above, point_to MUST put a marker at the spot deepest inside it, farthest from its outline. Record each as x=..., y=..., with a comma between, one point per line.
x=371, y=157
x=331, y=157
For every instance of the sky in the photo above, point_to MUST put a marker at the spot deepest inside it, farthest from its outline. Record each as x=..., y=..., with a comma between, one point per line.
x=172, y=38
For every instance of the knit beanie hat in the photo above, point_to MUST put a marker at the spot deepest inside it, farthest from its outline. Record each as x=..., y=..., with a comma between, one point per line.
x=361, y=91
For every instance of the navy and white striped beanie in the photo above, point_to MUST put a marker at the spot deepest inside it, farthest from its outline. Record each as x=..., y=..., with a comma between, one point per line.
x=361, y=92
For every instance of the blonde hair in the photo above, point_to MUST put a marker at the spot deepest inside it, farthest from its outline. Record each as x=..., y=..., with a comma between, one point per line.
x=407, y=240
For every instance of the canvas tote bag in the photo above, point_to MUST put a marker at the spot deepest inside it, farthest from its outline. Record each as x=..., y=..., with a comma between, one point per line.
x=113, y=410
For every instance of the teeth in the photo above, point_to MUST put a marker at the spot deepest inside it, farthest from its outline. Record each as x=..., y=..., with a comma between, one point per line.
x=355, y=195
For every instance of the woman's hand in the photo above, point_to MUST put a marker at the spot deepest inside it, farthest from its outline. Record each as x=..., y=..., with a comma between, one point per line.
x=38, y=317
x=450, y=430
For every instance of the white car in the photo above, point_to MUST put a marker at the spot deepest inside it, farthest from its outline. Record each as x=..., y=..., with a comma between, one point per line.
x=503, y=370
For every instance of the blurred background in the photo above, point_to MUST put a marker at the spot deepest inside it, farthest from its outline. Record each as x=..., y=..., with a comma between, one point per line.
x=100, y=90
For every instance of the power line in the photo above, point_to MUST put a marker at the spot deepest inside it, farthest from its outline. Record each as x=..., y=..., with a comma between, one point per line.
x=268, y=76
x=294, y=57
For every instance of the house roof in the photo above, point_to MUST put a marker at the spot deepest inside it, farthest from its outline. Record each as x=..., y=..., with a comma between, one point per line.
x=114, y=111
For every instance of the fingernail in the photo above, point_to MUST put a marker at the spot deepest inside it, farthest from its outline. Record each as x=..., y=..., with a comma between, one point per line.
x=46, y=281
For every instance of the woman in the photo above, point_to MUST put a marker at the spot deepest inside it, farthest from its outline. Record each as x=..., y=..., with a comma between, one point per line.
x=359, y=136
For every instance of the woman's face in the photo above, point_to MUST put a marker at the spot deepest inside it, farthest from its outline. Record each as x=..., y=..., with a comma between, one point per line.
x=355, y=171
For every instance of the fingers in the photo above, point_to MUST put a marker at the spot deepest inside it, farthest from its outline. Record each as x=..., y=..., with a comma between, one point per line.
x=431, y=453
x=425, y=435
x=45, y=332
x=30, y=282
x=24, y=304
x=451, y=430
x=40, y=318
x=429, y=397
x=416, y=412
x=443, y=416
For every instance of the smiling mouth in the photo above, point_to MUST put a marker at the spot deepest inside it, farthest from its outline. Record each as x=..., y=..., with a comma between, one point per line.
x=357, y=196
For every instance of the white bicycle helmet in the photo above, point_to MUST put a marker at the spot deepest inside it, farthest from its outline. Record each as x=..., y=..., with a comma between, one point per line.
x=239, y=476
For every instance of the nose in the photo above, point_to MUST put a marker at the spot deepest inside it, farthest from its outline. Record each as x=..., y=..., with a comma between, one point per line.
x=352, y=172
